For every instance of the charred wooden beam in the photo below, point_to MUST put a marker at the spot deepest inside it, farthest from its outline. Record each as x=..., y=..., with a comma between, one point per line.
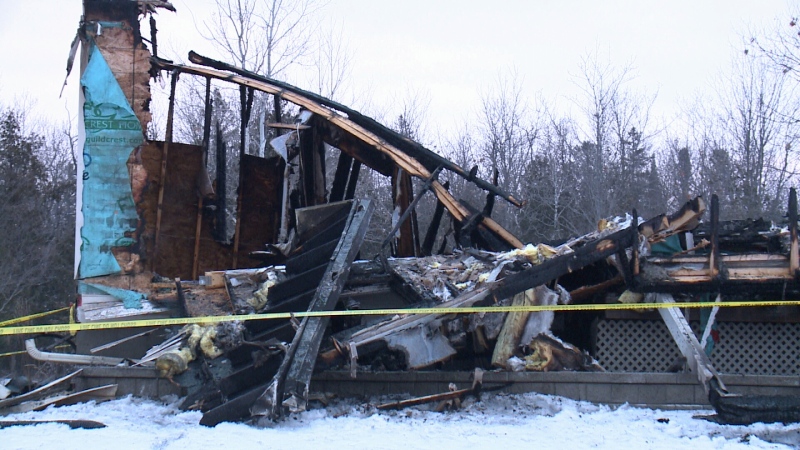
x=246, y=95
x=340, y=178
x=409, y=210
x=714, y=262
x=312, y=165
x=163, y=178
x=406, y=244
x=635, y=249
x=234, y=409
x=794, y=256
x=690, y=348
x=314, y=257
x=427, y=157
x=221, y=228
x=336, y=137
x=433, y=228
x=353, y=181
x=296, y=285
x=290, y=385
x=400, y=158
x=203, y=170
x=560, y=265
x=209, y=108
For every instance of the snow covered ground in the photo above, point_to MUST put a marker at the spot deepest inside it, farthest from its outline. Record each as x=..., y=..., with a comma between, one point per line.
x=499, y=421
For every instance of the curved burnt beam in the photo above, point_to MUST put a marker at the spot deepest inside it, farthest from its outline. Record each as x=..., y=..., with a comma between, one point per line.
x=425, y=156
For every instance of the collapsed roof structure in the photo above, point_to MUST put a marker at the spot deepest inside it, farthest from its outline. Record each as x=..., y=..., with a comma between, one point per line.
x=149, y=245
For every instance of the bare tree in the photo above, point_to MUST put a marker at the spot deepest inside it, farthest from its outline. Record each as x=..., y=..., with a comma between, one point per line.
x=333, y=61
x=507, y=137
x=264, y=36
x=614, y=157
x=758, y=115
x=781, y=44
x=551, y=185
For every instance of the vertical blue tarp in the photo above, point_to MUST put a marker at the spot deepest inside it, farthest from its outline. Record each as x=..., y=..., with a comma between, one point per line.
x=112, y=132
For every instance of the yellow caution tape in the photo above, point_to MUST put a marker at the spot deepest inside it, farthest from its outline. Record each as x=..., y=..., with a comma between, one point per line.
x=72, y=317
x=32, y=316
x=208, y=320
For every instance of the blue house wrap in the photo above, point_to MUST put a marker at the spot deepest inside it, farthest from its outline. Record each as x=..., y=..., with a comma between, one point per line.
x=112, y=133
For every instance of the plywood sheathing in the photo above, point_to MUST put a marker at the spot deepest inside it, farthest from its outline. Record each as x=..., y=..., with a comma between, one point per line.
x=261, y=205
x=260, y=218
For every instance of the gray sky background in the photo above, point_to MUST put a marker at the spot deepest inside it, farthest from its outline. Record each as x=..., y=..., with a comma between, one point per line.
x=448, y=52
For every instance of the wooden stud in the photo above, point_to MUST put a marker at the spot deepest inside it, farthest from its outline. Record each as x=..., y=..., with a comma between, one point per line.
x=713, y=263
x=794, y=263
x=433, y=229
x=164, y=154
x=353, y=181
x=246, y=97
x=340, y=178
x=635, y=246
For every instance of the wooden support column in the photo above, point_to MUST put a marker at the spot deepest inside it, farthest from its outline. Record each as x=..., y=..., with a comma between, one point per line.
x=635, y=245
x=558, y=266
x=353, y=181
x=320, y=191
x=199, y=218
x=289, y=387
x=162, y=181
x=209, y=108
x=246, y=96
x=222, y=187
x=411, y=210
x=690, y=348
x=340, y=178
x=433, y=229
x=713, y=263
x=794, y=263
x=402, y=193
x=312, y=166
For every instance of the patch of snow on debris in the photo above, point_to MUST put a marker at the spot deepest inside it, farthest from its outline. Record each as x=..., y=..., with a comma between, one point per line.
x=533, y=420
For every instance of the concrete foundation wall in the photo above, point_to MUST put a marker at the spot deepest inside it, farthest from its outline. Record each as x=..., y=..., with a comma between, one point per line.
x=651, y=389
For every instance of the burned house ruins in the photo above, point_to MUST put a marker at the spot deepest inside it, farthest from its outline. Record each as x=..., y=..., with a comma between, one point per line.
x=289, y=299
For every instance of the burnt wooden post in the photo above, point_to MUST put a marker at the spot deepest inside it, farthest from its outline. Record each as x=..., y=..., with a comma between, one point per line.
x=340, y=178
x=164, y=154
x=246, y=97
x=713, y=265
x=794, y=263
x=684, y=337
x=209, y=108
x=222, y=188
x=557, y=266
x=433, y=229
x=409, y=210
x=206, y=139
x=353, y=181
x=312, y=165
x=635, y=245
x=402, y=194
x=290, y=385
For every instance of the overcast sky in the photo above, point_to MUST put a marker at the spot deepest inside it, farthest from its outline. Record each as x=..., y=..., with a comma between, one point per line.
x=450, y=52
